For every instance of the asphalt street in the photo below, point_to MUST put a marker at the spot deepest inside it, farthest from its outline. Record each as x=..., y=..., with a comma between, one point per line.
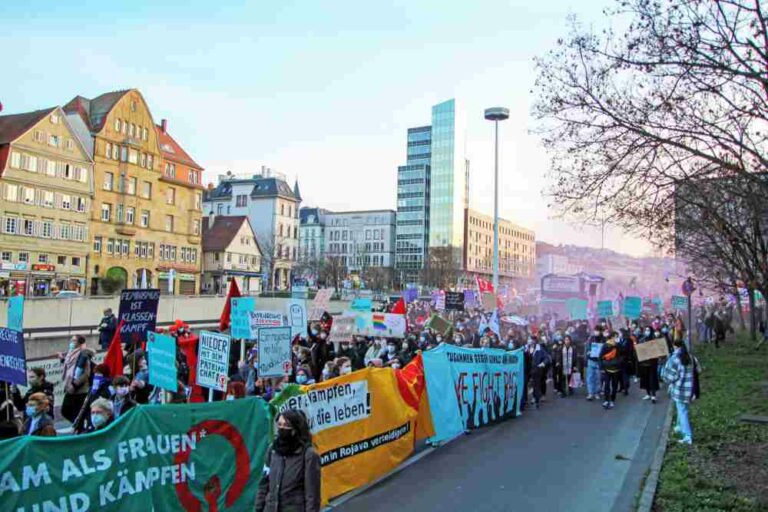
x=570, y=455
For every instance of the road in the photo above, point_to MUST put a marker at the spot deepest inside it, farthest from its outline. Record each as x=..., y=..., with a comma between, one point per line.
x=570, y=455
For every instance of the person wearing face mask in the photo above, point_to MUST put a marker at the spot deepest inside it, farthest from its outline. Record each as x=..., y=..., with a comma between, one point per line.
x=329, y=371
x=627, y=349
x=540, y=362
x=681, y=373
x=344, y=365
x=303, y=376
x=102, y=415
x=291, y=480
x=592, y=355
x=77, y=376
x=140, y=386
x=121, y=400
x=38, y=422
x=100, y=388
x=649, y=370
x=389, y=352
x=36, y=384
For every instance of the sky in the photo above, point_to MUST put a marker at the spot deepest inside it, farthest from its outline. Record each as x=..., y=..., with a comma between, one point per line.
x=322, y=92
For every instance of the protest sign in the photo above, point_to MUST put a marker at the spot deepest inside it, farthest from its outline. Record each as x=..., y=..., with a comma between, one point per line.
x=577, y=308
x=259, y=319
x=13, y=357
x=364, y=304
x=632, y=307
x=362, y=427
x=240, y=321
x=439, y=299
x=470, y=299
x=342, y=329
x=54, y=372
x=16, y=313
x=213, y=360
x=155, y=457
x=595, y=349
x=386, y=325
x=469, y=388
x=489, y=301
x=321, y=303
x=658, y=306
x=274, y=351
x=679, y=303
x=652, y=349
x=162, y=361
x=138, y=314
x=439, y=324
x=454, y=301
x=410, y=295
x=605, y=308
x=296, y=312
x=299, y=292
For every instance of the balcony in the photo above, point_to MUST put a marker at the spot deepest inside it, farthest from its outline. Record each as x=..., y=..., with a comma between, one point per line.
x=125, y=229
x=194, y=239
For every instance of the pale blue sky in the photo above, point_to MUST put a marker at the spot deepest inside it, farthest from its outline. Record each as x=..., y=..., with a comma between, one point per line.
x=320, y=90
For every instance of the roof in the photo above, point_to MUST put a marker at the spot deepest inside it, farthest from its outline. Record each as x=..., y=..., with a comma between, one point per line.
x=15, y=125
x=219, y=236
x=94, y=111
x=172, y=150
x=262, y=187
x=296, y=192
x=318, y=213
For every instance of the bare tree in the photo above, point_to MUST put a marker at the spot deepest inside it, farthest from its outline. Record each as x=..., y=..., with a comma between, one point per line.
x=334, y=270
x=441, y=269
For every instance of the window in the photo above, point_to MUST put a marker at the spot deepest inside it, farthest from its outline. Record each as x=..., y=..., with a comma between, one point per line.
x=48, y=199
x=109, y=181
x=117, y=125
x=10, y=225
x=115, y=152
x=170, y=196
x=123, y=154
x=169, y=223
x=110, y=246
x=47, y=228
x=194, y=177
x=23, y=257
x=64, y=231
x=5, y=256
x=29, y=195
x=131, y=129
x=75, y=261
x=368, y=234
x=133, y=156
x=131, y=189
x=196, y=227
x=150, y=162
x=282, y=209
x=126, y=247
x=143, y=161
x=119, y=213
x=54, y=140
x=129, y=213
x=66, y=201
x=70, y=145
x=97, y=244
x=145, y=218
x=144, y=134
x=108, y=150
x=54, y=119
x=241, y=200
x=28, y=227
x=106, y=212
x=61, y=260
x=133, y=106
x=39, y=136
x=146, y=189
x=42, y=258
x=198, y=201
x=170, y=170
x=12, y=192
x=80, y=204
x=229, y=257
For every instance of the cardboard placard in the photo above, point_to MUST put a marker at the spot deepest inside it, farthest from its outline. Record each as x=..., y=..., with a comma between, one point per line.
x=213, y=360
x=489, y=301
x=320, y=304
x=652, y=349
x=439, y=324
x=342, y=329
x=274, y=351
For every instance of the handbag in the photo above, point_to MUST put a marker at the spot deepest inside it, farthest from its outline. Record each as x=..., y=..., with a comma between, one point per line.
x=575, y=382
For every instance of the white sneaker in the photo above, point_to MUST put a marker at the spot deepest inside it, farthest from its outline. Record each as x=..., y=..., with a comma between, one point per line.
x=686, y=440
x=647, y=397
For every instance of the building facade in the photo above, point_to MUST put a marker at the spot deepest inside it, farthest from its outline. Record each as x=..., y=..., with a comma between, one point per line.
x=432, y=192
x=143, y=225
x=363, y=240
x=517, y=248
x=272, y=208
x=311, y=242
x=555, y=264
x=230, y=251
x=45, y=196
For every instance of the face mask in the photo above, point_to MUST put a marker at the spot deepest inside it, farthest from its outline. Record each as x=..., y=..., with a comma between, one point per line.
x=665, y=330
x=391, y=349
x=31, y=410
x=344, y=347
x=314, y=332
x=143, y=365
x=301, y=379
x=657, y=333
x=396, y=366
x=346, y=370
x=285, y=434
x=323, y=335
x=98, y=420
x=72, y=345
x=647, y=333
x=439, y=339
x=230, y=397
x=121, y=391
x=32, y=381
x=325, y=374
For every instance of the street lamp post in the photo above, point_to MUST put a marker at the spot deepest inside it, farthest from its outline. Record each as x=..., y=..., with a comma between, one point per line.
x=496, y=114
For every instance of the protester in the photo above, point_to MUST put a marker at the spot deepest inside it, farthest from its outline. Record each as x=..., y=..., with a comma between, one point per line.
x=107, y=328
x=540, y=361
x=121, y=400
x=592, y=355
x=38, y=422
x=649, y=370
x=681, y=373
x=292, y=478
x=611, y=362
x=568, y=363
x=102, y=415
x=77, y=375
x=36, y=384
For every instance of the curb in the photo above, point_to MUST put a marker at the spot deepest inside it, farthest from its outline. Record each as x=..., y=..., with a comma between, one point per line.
x=652, y=481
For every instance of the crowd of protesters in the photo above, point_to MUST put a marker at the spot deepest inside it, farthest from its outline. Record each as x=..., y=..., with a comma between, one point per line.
x=569, y=354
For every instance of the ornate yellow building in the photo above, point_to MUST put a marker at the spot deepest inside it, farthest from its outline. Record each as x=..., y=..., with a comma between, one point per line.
x=143, y=227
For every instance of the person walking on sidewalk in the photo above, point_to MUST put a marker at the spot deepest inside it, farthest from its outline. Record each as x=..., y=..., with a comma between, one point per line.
x=649, y=371
x=681, y=373
x=611, y=362
x=540, y=362
x=592, y=355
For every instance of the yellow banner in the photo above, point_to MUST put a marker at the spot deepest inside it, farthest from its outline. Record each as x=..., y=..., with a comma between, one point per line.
x=361, y=427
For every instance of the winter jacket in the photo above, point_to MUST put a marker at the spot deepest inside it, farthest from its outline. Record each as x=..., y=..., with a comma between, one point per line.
x=43, y=428
x=611, y=358
x=77, y=377
x=107, y=328
x=21, y=401
x=292, y=483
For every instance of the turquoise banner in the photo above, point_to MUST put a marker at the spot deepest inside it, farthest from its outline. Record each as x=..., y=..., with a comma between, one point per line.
x=577, y=309
x=679, y=302
x=16, y=313
x=469, y=388
x=605, y=308
x=162, y=361
x=240, y=321
x=632, y=307
x=190, y=457
x=361, y=304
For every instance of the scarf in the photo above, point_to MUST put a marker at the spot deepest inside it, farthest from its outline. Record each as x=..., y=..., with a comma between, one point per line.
x=567, y=359
x=70, y=362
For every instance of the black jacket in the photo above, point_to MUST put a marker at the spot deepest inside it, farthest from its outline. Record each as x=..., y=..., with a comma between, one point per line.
x=21, y=401
x=107, y=328
x=293, y=483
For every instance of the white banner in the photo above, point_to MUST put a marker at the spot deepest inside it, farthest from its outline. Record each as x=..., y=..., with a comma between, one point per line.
x=333, y=406
x=213, y=360
x=261, y=319
x=54, y=371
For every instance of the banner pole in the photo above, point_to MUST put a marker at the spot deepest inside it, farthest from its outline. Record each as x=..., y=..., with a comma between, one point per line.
x=242, y=349
x=210, y=394
x=7, y=397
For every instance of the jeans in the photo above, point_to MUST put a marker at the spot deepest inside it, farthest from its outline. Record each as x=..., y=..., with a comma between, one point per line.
x=611, y=385
x=683, y=424
x=593, y=377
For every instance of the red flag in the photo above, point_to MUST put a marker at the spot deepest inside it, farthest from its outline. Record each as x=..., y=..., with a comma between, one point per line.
x=114, y=357
x=399, y=307
x=483, y=285
x=233, y=292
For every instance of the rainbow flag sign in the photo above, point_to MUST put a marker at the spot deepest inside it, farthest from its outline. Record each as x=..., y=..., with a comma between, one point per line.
x=379, y=322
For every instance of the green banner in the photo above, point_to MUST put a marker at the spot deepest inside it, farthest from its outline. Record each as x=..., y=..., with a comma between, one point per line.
x=190, y=457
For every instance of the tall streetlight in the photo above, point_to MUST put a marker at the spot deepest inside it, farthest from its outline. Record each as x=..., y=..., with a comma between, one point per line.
x=496, y=114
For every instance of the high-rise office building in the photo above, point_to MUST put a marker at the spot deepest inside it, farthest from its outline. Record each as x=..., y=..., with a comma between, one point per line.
x=431, y=193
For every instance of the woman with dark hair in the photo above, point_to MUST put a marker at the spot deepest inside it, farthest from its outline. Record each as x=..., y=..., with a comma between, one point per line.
x=681, y=373
x=292, y=482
